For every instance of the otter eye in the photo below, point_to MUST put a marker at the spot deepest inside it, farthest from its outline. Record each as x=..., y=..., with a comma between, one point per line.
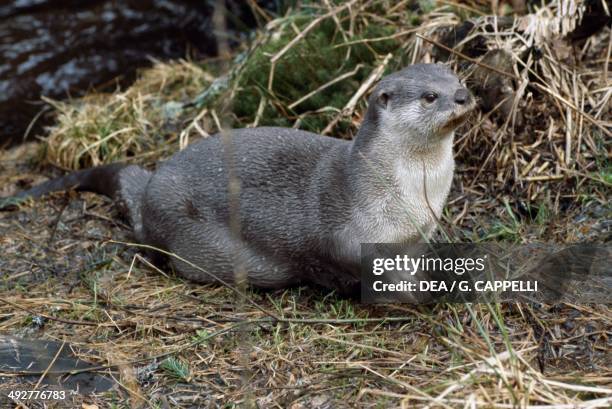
x=429, y=97
x=383, y=99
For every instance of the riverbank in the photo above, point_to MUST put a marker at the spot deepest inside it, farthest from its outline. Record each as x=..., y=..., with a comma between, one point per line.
x=533, y=165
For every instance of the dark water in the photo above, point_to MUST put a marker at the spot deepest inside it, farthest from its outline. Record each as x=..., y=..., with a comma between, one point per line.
x=60, y=48
x=18, y=355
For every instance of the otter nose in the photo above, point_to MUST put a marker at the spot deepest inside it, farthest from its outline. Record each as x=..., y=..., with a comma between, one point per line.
x=461, y=96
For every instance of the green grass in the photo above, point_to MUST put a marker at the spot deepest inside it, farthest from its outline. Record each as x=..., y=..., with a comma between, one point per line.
x=318, y=59
x=176, y=369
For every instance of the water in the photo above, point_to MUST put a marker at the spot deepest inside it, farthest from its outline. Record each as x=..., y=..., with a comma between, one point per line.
x=61, y=48
x=18, y=355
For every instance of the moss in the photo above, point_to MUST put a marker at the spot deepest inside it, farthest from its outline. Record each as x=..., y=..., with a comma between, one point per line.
x=311, y=63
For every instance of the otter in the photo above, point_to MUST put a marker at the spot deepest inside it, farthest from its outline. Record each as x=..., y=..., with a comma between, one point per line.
x=306, y=201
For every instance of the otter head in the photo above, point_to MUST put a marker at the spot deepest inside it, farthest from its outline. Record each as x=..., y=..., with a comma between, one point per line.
x=419, y=105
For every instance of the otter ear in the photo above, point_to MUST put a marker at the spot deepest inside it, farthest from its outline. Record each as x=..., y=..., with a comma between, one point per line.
x=383, y=99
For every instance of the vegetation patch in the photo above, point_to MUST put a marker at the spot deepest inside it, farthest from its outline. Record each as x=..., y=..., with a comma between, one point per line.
x=139, y=124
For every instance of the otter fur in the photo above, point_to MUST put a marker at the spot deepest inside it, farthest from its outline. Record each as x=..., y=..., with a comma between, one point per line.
x=306, y=201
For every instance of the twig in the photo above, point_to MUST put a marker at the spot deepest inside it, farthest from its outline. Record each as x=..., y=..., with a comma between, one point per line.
x=48, y=317
x=59, y=351
x=300, y=36
x=349, y=108
x=373, y=40
x=465, y=57
x=308, y=29
x=58, y=218
x=211, y=275
x=574, y=108
x=543, y=178
x=327, y=85
x=586, y=175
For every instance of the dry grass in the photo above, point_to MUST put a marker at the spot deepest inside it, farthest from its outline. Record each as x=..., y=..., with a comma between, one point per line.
x=532, y=168
x=139, y=123
x=323, y=351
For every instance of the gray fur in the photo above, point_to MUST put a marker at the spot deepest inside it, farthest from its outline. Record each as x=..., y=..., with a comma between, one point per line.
x=306, y=201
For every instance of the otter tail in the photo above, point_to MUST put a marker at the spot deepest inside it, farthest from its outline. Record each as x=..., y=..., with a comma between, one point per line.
x=102, y=179
x=123, y=183
x=105, y=180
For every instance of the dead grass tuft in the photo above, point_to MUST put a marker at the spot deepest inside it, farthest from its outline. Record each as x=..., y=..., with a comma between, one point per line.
x=139, y=123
